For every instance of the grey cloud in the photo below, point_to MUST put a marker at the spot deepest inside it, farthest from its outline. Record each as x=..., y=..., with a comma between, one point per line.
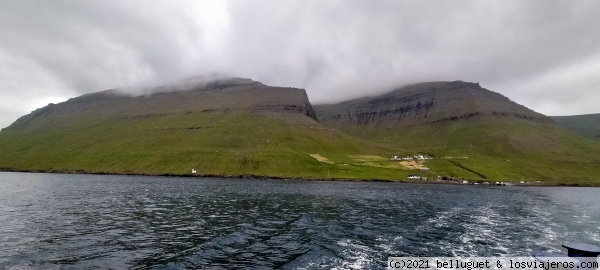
x=535, y=52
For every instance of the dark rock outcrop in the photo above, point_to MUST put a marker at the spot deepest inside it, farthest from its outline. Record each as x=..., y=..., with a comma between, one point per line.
x=427, y=103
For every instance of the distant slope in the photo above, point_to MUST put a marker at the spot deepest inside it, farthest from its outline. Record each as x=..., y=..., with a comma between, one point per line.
x=585, y=125
x=478, y=130
x=226, y=127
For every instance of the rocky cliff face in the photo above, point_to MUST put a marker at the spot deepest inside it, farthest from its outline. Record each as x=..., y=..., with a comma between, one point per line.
x=234, y=94
x=427, y=103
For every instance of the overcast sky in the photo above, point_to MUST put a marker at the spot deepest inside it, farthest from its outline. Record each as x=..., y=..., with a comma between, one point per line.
x=543, y=54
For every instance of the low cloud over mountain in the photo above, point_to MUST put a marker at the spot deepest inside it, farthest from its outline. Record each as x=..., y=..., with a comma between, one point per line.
x=543, y=54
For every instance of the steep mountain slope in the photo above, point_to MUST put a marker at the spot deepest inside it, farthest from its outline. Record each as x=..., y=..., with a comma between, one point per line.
x=225, y=127
x=585, y=125
x=434, y=102
x=241, y=127
x=469, y=127
x=226, y=95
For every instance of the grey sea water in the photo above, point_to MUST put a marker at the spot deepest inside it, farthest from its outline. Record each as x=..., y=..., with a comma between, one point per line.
x=95, y=221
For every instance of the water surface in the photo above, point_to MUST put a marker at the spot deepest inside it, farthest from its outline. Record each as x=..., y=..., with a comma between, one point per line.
x=86, y=221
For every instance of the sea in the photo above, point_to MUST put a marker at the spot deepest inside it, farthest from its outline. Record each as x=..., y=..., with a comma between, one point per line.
x=73, y=221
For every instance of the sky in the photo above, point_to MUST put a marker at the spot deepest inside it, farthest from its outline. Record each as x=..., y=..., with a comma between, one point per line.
x=544, y=54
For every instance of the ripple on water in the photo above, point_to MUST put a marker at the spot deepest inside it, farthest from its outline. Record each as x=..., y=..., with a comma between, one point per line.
x=82, y=221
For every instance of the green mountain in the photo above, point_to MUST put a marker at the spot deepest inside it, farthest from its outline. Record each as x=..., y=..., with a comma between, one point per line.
x=472, y=132
x=239, y=127
x=227, y=127
x=585, y=125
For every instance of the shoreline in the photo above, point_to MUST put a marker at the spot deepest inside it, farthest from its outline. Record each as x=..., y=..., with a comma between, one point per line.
x=262, y=177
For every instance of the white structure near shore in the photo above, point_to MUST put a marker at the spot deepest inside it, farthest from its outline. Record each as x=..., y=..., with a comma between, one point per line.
x=415, y=157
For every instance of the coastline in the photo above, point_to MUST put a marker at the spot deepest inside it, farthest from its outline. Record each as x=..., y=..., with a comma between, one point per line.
x=486, y=182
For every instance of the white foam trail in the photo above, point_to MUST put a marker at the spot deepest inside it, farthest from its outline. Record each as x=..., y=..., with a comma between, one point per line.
x=356, y=256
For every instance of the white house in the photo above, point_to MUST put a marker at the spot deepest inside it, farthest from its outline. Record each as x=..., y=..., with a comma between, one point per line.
x=422, y=157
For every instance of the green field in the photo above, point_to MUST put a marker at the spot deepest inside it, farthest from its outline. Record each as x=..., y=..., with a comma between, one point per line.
x=262, y=145
x=504, y=149
x=241, y=143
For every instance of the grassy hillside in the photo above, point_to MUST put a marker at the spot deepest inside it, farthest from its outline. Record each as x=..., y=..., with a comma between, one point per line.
x=472, y=132
x=212, y=143
x=238, y=129
x=585, y=125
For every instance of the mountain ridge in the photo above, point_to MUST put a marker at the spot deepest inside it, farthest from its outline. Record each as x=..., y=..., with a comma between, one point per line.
x=238, y=126
x=242, y=94
x=219, y=128
x=429, y=102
